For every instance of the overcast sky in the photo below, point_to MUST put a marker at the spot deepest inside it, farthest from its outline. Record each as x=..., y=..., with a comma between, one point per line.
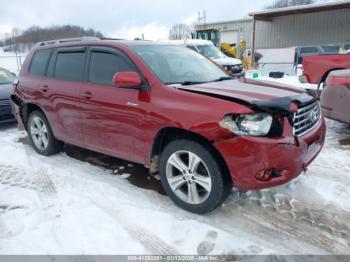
x=120, y=18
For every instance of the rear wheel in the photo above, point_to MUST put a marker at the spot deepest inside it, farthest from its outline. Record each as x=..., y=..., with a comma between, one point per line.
x=192, y=176
x=41, y=136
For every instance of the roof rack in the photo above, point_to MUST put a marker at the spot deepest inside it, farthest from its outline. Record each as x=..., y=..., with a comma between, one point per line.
x=68, y=40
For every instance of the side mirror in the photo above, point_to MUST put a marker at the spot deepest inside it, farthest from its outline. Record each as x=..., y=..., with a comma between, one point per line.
x=127, y=80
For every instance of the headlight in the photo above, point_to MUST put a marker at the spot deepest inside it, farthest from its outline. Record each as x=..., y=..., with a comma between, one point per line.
x=258, y=124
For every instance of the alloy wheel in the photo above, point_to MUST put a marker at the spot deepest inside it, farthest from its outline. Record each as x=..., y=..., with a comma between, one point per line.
x=39, y=133
x=188, y=177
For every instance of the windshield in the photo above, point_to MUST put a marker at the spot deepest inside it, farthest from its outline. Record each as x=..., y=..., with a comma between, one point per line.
x=6, y=77
x=210, y=51
x=178, y=64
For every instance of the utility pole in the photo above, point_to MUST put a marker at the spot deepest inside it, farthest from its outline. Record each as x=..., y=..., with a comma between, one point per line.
x=15, y=49
x=202, y=18
x=253, y=42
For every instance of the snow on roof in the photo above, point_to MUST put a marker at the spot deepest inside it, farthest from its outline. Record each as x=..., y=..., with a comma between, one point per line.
x=247, y=19
x=302, y=9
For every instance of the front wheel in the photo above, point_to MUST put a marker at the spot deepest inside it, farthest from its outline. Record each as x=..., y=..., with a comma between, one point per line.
x=192, y=176
x=41, y=136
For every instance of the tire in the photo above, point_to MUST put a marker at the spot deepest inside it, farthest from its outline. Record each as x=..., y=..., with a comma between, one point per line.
x=208, y=178
x=39, y=129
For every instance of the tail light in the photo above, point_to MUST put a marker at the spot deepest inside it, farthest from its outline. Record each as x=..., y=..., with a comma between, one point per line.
x=337, y=81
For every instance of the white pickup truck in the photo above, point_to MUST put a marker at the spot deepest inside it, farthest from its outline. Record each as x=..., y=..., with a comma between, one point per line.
x=205, y=47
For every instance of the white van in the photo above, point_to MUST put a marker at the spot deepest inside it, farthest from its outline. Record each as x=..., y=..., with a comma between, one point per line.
x=205, y=47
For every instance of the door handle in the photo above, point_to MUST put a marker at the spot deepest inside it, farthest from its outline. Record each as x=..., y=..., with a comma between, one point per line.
x=44, y=88
x=87, y=95
x=131, y=104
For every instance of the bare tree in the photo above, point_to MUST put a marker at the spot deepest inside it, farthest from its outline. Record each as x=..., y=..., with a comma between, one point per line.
x=287, y=3
x=180, y=32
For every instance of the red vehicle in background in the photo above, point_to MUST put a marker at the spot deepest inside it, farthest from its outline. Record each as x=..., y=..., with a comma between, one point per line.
x=317, y=68
x=335, y=97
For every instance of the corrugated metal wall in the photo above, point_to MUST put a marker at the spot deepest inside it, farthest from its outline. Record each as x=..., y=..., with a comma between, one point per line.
x=326, y=27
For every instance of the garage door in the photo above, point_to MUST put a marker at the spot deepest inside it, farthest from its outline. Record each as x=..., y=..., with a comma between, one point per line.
x=229, y=37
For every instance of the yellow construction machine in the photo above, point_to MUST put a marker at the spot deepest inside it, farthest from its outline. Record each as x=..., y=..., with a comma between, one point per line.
x=232, y=50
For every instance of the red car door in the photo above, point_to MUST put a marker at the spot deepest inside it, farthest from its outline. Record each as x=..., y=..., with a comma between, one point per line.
x=65, y=71
x=111, y=116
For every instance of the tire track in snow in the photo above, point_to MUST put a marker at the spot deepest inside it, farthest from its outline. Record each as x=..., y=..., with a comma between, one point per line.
x=16, y=177
x=301, y=231
x=326, y=218
x=304, y=223
x=40, y=182
x=150, y=241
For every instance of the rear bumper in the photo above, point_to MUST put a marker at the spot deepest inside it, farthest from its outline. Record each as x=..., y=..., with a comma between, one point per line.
x=6, y=112
x=247, y=158
x=17, y=115
x=9, y=120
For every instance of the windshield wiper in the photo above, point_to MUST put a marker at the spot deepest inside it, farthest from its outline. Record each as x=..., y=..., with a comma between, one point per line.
x=223, y=78
x=186, y=83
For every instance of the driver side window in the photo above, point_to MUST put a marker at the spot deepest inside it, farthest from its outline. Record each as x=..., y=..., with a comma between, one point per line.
x=104, y=65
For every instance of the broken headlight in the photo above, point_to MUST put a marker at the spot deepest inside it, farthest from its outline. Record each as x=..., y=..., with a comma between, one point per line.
x=258, y=124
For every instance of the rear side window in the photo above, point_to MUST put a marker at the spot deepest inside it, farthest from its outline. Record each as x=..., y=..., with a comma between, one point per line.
x=103, y=66
x=39, y=62
x=69, y=66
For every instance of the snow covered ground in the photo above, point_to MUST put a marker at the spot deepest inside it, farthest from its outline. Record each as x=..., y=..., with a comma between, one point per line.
x=9, y=61
x=81, y=202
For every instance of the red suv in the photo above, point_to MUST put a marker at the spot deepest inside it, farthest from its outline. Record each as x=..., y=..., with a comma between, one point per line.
x=171, y=109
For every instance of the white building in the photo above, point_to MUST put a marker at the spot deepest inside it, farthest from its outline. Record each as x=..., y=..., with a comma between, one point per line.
x=317, y=24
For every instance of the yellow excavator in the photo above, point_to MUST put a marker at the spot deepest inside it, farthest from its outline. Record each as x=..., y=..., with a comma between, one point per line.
x=228, y=49
x=232, y=50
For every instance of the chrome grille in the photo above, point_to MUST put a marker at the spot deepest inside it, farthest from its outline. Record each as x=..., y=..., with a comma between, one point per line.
x=234, y=69
x=5, y=102
x=306, y=118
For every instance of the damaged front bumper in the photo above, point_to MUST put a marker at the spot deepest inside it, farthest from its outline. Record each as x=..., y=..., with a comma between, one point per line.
x=261, y=162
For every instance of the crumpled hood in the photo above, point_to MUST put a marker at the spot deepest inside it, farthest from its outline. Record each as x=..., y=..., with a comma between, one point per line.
x=260, y=93
x=5, y=91
x=225, y=60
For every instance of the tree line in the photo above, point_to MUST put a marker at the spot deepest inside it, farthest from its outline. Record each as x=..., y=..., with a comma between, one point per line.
x=288, y=3
x=22, y=42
